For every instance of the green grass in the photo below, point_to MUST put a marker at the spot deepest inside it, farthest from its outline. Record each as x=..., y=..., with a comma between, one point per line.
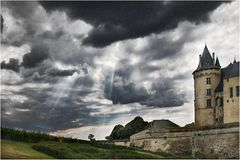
x=88, y=151
x=50, y=149
x=20, y=150
x=17, y=144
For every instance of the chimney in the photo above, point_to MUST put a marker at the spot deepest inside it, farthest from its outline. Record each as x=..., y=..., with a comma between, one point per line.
x=200, y=60
x=213, y=55
x=234, y=61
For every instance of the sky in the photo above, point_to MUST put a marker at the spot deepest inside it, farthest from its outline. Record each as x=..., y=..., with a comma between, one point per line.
x=75, y=68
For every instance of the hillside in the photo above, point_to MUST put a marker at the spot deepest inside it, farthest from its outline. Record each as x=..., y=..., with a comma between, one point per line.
x=39, y=146
x=124, y=132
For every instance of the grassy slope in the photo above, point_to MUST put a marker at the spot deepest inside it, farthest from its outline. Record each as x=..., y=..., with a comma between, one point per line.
x=13, y=149
x=16, y=150
x=78, y=150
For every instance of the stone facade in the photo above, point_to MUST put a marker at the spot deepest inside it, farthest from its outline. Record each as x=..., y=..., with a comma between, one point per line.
x=202, y=109
x=231, y=104
x=211, y=143
x=125, y=143
x=213, y=101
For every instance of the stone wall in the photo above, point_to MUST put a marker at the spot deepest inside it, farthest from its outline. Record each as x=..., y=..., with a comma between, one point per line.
x=212, y=143
x=204, y=115
x=122, y=143
x=231, y=104
x=216, y=143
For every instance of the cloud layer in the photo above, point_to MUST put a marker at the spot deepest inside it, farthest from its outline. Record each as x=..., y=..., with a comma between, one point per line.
x=116, y=21
x=65, y=65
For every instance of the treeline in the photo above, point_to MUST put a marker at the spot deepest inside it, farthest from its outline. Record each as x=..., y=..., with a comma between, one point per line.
x=32, y=137
x=121, y=132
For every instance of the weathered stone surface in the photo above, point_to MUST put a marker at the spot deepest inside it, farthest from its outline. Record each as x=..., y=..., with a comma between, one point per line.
x=231, y=104
x=212, y=143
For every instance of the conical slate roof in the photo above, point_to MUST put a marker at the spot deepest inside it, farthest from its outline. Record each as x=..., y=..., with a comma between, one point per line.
x=217, y=64
x=206, y=61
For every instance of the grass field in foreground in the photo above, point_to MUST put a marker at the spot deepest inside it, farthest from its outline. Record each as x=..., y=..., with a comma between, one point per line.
x=50, y=149
x=20, y=150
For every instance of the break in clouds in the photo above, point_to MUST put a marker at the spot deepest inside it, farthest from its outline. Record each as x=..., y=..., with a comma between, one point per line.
x=76, y=64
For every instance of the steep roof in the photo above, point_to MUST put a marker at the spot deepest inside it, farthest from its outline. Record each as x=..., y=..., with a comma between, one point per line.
x=232, y=70
x=217, y=64
x=206, y=61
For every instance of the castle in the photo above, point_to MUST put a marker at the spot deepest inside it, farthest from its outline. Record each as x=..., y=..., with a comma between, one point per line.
x=216, y=91
x=215, y=133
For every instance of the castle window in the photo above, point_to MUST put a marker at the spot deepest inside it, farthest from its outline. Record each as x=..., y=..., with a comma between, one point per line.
x=208, y=92
x=209, y=103
x=208, y=80
x=221, y=101
x=231, y=92
x=237, y=91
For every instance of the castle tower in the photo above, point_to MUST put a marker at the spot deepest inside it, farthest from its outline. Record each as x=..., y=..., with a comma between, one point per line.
x=206, y=79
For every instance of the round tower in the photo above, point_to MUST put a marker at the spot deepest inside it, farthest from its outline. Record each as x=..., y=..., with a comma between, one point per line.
x=206, y=78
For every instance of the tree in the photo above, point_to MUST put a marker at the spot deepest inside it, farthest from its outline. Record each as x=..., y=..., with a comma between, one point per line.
x=121, y=132
x=91, y=137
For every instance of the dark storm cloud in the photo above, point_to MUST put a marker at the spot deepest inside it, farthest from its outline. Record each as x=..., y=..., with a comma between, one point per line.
x=13, y=64
x=119, y=88
x=28, y=20
x=116, y=21
x=52, y=35
x=122, y=89
x=40, y=114
x=57, y=72
x=128, y=93
x=165, y=94
x=2, y=23
x=37, y=55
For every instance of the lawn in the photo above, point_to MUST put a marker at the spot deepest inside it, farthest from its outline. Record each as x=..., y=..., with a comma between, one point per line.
x=91, y=151
x=50, y=149
x=20, y=150
x=19, y=144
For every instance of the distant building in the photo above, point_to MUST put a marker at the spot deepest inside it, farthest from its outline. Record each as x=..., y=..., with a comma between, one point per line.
x=163, y=123
x=216, y=91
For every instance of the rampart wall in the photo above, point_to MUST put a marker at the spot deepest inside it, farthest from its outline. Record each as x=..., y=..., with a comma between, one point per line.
x=211, y=143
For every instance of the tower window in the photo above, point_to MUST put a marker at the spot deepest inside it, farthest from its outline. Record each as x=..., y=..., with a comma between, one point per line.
x=209, y=103
x=208, y=80
x=237, y=91
x=221, y=101
x=208, y=92
x=231, y=92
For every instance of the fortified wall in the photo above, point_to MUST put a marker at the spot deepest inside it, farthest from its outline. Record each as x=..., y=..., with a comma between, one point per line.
x=209, y=143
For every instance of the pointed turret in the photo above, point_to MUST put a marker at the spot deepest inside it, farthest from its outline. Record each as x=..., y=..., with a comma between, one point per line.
x=217, y=64
x=206, y=61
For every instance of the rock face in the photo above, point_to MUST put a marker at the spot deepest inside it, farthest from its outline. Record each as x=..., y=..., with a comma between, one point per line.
x=211, y=143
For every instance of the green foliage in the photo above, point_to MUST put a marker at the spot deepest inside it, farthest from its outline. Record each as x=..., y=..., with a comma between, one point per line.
x=121, y=132
x=85, y=151
x=91, y=137
x=39, y=145
x=32, y=137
